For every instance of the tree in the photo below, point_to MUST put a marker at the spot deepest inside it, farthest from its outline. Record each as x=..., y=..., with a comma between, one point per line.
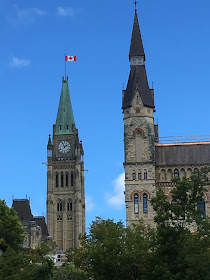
x=11, y=231
x=69, y=272
x=110, y=251
x=181, y=247
x=45, y=248
x=21, y=265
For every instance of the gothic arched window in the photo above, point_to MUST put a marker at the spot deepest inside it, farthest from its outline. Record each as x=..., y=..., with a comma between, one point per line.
x=67, y=179
x=136, y=203
x=69, y=205
x=145, y=174
x=176, y=173
x=72, y=179
x=145, y=203
x=201, y=206
x=56, y=180
x=134, y=175
x=62, y=179
x=59, y=206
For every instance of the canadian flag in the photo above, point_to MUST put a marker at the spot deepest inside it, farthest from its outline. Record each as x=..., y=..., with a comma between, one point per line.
x=70, y=58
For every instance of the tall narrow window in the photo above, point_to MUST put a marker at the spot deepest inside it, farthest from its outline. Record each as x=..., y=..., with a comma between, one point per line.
x=176, y=173
x=138, y=145
x=145, y=203
x=69, y=206
x=134, y=175
x=61, y=179
x=56, y=180
x=139, y=175
x=202, y=208
x=59, y=206
x=72, y=179
x=145, y=175
x=136, y=203
x=67, y=180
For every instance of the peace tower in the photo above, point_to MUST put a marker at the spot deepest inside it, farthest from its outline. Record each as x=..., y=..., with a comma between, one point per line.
x=65, y=178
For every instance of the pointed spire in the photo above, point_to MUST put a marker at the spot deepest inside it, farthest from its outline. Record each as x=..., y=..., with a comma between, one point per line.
x=138, y=78
x=49, y=140
x=65, y=118
x=136, y=46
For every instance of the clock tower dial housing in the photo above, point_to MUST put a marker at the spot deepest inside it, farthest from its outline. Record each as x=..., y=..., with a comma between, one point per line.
x=64, y=147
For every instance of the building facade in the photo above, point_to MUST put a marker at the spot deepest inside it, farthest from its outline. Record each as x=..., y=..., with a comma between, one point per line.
x=65, y=178
x=35, y=228
x=148, y=163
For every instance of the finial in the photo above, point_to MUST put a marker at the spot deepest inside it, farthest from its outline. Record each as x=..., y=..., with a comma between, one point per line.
x=49, y=140
x=135, y=3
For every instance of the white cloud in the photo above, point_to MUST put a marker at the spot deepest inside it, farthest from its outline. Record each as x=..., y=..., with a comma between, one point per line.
x=117, y=200
x=39, y=12
x=19, y=62
x=65, y=11
x=18, y=14
x=30, y=12
x=89, y=203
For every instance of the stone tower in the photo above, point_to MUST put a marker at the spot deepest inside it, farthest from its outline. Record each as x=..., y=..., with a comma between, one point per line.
x=65, y=178
x=139, y=135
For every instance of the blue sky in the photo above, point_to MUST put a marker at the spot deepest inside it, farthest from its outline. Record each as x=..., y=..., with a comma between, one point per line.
x=35, y=35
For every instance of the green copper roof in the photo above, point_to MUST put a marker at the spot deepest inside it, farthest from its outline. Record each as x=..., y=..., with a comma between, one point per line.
x=65, y=118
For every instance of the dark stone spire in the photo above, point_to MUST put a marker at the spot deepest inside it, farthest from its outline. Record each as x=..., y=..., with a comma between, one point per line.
x=138, y=81
x=136, y=47
x=138, y=77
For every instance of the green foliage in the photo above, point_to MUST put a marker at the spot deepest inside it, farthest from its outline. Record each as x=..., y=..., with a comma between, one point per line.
x=11, y=231
x=20, y=265
x=181, y=247
x=178, y=248
x=181, y=210
x=100, y=249
x=10, y=263
x=110, y=251
x=69, y=272
x=46, y=248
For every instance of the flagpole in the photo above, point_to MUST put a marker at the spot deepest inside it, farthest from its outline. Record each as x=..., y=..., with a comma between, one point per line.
x=65, y=64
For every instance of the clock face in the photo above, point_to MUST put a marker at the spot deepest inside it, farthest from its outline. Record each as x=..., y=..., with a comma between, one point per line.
x=64, y=147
